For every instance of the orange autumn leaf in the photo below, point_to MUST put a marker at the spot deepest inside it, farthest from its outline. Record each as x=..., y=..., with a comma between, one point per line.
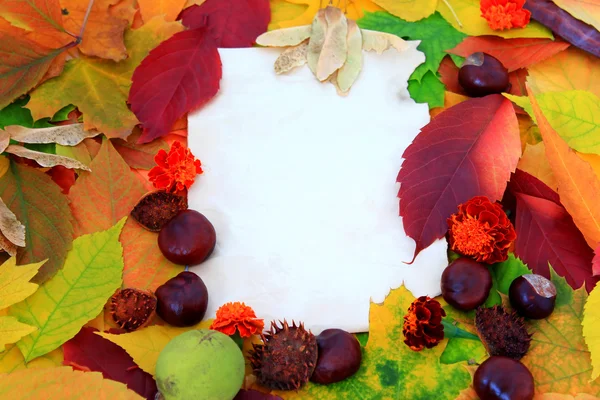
x=169, y=8
x=578, y=186
x=450, y=99
x=103, y=36
x=124, y=9
x=534, y=162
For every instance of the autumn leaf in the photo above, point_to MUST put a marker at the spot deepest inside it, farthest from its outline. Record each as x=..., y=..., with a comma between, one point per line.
x=14, y=282
x=12, y=360
x=450, y=100
x=12, y=232
x=104, y=110
x=596, y=261
x=534, y=162
x=389, y=368
x=450, y=152
x=586, y=11
x=590, y=324
x=45, y=159
x=88, y=351
x=512, y=53
x=290, y=13
x=409, y=10
x=44, y=210
x=189, y=58
x=429, y=90
x=66, y=135
x=572, y=69
x=578, y=186
x=145, y=345
x=56, y=383
x=435, y=33
x=139, y=155
x=101, y=198
x=77, y=293
x=469, y=14
x=235, y=23
x=170, y=9
x=11, y=330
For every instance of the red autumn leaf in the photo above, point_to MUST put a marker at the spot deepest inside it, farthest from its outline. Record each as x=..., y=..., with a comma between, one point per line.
x=91, y=352
x=512, y=53
x=525, y=183
x=468, y=150
x=63, y=177
x=546, y=234
x=596, y=261
x=181, y=74
x=233, y=23
x=517, y=82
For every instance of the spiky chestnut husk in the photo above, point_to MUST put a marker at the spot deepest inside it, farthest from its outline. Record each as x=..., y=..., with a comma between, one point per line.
x=132, y=309
x=503, y=333
x=287, y=358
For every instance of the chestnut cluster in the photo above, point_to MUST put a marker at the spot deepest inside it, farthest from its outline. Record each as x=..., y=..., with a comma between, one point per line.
x=466, y=285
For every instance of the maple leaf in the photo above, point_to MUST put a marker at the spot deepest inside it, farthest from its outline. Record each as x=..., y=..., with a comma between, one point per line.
x=12, y=360
x=435, y=33
x=139, y=155
x=94, y=353
x=578, y=185
x=56, y=383
x=11, y=330
x=235, y=23
x=158, y=106
x=14, y=282
x=44, y=210
x=170, y=9
x=512, y=53
x=389, y=368
x=571, y=29
x=586, y=11
x=145, y=345
x=75, y=295
x=534, y=162
x=471, y=23
x=452, y=152
x=429, y=90
x=104, y=110
x=571, y=69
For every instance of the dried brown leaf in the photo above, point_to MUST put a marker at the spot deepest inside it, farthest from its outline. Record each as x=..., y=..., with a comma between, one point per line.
x=285, y=37
x=317, y=39
x=349, y=72
x=291, y=58
x=4, y=140
x=380, y=41
x=7, y=246
x=66, y=135
x=335, y=46
x=155, y=209
x=11, y=228
x=45, y=159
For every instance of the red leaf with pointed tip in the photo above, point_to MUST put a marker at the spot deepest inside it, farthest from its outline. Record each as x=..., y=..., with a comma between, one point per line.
x=596, y=261
x=181, y=74
x=546, y=234
x=88, y=351
x=233, y=23
x=525, y=183
x=512, y=53
x=468, y=150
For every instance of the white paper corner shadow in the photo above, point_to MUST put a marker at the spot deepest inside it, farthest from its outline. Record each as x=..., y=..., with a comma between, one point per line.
x=300, y=185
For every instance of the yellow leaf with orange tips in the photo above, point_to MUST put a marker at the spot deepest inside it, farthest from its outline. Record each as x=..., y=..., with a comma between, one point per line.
x=289, y=13
x=169, y=9
x=145, y=345
x=62, y=383
x=12, y=360
x=578, y=186
x=534, y=162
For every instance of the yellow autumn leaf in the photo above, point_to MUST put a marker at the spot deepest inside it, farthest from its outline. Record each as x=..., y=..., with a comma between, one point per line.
x=289, y=13
x=409, y=10
x=145, y=345
x=469, y=14
x=14, y=281
x=75, y=295
x=587, y=11
x=534, y=162
x=591, y=329
x=12, y=360
x=571, y=69
x=530, y=133
x=578, y=186
x=62, y=383
x=11, y=330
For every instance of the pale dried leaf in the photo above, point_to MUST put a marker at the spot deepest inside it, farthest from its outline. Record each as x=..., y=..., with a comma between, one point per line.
x=7, y=246
x=380, y=41
x=285, y=37
x=4, y=140
x=349, y=72
x=45, y=159
x=66, y=135
x=317, y=39
x=10, y=226
x=335, y=46
x=291, y=58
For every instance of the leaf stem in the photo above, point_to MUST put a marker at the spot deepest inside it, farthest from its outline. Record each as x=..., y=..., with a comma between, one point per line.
x=85, y=20
x=453, y=13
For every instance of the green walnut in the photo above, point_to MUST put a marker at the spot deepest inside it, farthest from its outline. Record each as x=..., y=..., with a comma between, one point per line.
x=200, y=364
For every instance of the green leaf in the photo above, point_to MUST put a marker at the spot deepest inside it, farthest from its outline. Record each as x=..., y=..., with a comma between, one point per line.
x=435, y=33
x=76, y=295
x=451, y=330
x=461, y=349
x=16, y=114
x=39, y=204
x=429, y=90
x=503, y=274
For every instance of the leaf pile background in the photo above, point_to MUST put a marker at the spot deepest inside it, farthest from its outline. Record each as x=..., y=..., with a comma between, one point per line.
x=86, y=102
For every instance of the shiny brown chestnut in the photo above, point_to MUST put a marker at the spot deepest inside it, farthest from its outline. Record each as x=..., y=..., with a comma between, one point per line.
x=187, y=239
x=502, y=378
x=466, y=284
x=482, y=74
x=182, y=300
x=339, y=356
x=532, y=296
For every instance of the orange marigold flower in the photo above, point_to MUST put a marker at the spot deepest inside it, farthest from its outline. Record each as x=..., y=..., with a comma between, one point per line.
x=481, y=230
x=237, y=316
x=505, y=14
x=175, y=170
x=423, y=324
